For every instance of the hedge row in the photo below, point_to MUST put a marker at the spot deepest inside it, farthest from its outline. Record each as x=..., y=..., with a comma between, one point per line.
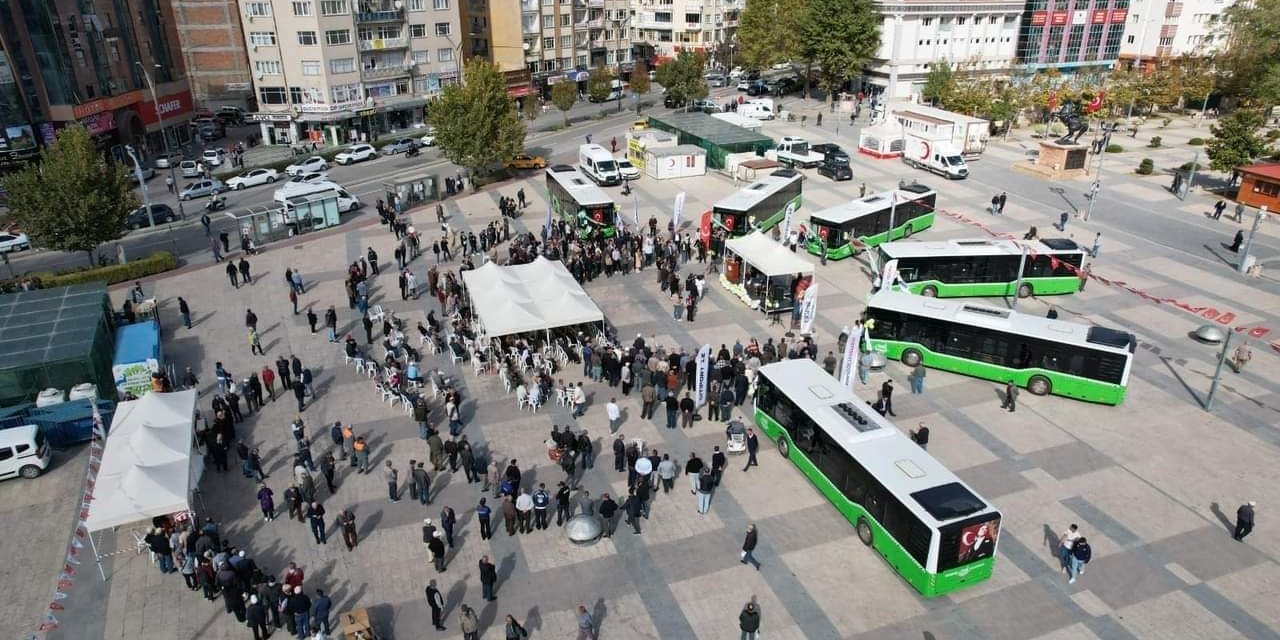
x=158, y=262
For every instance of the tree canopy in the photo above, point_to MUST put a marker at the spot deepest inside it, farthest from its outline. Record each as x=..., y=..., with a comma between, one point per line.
x=639, y=80
x=599, y=83
x=73, y=199
x=1249, y=64
x=769, y=32
x=476, y=122
x=564, y=95
x=1236, y=141
x=939, y=84
x=682, y=77
x=840, y=36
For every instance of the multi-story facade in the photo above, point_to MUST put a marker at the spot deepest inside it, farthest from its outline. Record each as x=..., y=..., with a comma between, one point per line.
x=979, y=37
x=494, y=33
x=1072, y=36
x=91, y=62
x=1161, y=30
x=563, y=39
x=212, y=43
x=663, y=28
x=339, y=71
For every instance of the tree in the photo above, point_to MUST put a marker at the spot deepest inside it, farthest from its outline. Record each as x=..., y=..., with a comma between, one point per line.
x=73, y=199
x=599, y=84
x=1195, y=77
x=639, y=81
x=939, y=83
x=1236, y=140
x=530, y=107
x=476, y=122
x=1249, y=64
x=564, y=95
x=768, y=32
x=840, y=36
x=682, y=77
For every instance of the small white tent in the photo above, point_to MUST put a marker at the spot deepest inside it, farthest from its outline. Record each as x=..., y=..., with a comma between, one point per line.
x=537, y=296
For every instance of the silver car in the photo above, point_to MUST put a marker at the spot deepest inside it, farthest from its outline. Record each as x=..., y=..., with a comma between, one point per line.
x=201, y=188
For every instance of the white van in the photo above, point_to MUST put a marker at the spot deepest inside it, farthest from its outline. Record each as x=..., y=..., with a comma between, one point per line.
x=757, y=110
x=598, y=164
x=23, y=452
x=346, y=201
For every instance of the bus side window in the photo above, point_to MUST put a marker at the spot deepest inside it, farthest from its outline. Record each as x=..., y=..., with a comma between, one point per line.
x=907, y=529
x=856, y=482
x=1024, y=357
x=764, y=395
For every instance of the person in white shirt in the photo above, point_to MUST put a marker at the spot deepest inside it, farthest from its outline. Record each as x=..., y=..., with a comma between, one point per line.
x=1065, y=542
x=615, y=414
x=579, y=401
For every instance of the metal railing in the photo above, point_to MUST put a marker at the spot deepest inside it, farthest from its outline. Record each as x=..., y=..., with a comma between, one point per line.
x=384, y=71
x=389, y=15
x=379, y=44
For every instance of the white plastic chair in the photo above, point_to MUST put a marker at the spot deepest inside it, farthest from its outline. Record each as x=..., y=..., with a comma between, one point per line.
x=406, y=404
x=390, y=395
x=376, y=313
x=522, y=397
x=562, y=398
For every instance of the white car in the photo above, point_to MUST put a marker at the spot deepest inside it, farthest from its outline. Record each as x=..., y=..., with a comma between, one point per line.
x=314, y=163
x=310, y=177
x=628, y=170
x=253, y=178
x=212, y=157
x=743, y=85
x=358, y=153
x=13, y=242
x=736, y=73
x=429, y=140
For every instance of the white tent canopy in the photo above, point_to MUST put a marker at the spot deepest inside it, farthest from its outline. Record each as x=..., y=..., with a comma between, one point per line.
x=768, y=257
x=536, y=296
x=148, y=466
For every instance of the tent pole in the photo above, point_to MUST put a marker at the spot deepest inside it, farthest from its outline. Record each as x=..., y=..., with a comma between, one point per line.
x=97, y=557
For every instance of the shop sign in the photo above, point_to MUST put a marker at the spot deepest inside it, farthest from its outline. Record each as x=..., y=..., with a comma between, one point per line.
x=170, y=106
x=107, y=104
x=100, y=123
x=236, y=86
x=366, y=112
x=269, y=117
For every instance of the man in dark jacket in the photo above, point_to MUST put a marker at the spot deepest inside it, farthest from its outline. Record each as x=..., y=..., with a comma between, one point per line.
x=256, y=617
x=749, y=621
x=608, y=511
x=488, y=578
x=633, y=507
x=753, y=447
x=298, y=605
x=718, y=462
x=436, y=602
x=749, y=546
x=619, y=454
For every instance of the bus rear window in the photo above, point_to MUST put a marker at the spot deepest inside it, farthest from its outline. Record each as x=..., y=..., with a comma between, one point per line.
x=949, y=501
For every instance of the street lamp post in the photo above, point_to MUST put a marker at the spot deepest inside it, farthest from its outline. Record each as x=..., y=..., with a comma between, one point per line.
x=1217, y=372
x=173, y=173
x=1096, y=187
x=1248, y=243
x=1022, y=265
x=146, y=192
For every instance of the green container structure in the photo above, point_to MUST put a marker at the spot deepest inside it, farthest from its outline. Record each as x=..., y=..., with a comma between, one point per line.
x=55, y=338
x=717, y=137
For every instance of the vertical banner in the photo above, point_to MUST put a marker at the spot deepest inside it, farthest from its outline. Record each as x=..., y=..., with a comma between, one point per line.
x=637, y=216
x=703, y=361
x=786, y=221
x=850, y=359
x=678, y=212
x=546, y=226
x=704, y=228
x=889, y=278
x=809, y=308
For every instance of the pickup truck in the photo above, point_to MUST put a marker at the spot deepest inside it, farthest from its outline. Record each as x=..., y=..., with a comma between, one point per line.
x=795, y=152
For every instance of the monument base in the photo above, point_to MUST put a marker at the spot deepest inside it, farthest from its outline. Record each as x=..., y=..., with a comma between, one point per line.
x=1058, y=161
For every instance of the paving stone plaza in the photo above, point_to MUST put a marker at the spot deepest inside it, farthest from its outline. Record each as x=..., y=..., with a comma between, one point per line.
x=1153, y=483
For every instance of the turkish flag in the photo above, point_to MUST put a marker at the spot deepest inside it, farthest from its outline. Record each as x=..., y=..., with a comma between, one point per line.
x=1053, y=101
x=1096, y=103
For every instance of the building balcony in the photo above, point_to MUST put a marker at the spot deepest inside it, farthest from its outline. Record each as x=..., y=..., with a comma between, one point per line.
x=389, y=15
x=650, y=23
x=595, y=4
x=382, y=44
x=389, y=71
x=529, y=6
x=531, y=28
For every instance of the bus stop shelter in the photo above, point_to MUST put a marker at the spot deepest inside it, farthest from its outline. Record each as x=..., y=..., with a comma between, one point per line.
x=717, y=137
x=55, y=338
x=403, y=196
x=764, y=274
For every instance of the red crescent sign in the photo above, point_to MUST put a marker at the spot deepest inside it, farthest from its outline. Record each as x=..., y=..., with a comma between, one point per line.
x=927, y=149
x=966, y=538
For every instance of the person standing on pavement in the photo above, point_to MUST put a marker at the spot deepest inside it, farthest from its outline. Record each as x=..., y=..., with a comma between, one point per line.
x=185, y=310
x=753, y=447
x=614, y=412
x=916, y=379
x=488, y=579
x=1065, y=541
x=436, y=547
x=693, y=469
x=667, y=473
x=315, y=516
x=483, y=513
x=1244, y=521
x=320, y=607
x=586, y=625
x=706, y=484
x=331, y=323
x=749, y=547
x=392, y=477
x=1062, y=221
x=634, y=508
x=1010, y=396
x=718, y=463
x=436, y=601
x=886, y=392
x=608, y=515
x=749, y=622
x=347, y=524
x=1081, y=554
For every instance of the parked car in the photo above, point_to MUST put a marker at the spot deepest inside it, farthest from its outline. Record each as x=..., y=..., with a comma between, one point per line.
x=526, y=161
x=314, y=163
x=253, y=178
x=716, y=80
x=213, y=157
x=736, y=73
x=628, y=170
x=164, y=160
x=310, y=177
x=669, y=101
x=744, y=84
x=12, y=241
x=201, y=188
x=428, y=140
x=705, y=106
x=189, y=169
x=400, y=146
x=161, y=213
x=357, y=153
x=757, y=88
x=211, y=132
x=147, y=173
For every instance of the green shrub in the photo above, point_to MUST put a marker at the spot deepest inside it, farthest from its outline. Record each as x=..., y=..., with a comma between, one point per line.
x=1196, y=142
x=158, y=262
x=1115, y=148
x=1146, y=167
x=1187, y=166
x=1165, y=122
x=1155, y=142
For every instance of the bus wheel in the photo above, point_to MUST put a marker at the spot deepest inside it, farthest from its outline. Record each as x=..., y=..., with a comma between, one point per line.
x=864, y=532
x=1039, y=385
x=783, y=447
x=906, y=233
x=911, y=357
x=929, y=291
x=1024, y=290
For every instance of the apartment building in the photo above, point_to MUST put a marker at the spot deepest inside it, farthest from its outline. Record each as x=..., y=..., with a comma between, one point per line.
x=90, y=62
x=1162, y=30
x=211, y=38
x=981, y=37
x=340, y=71
x=1072, y=36
x=494, y=33
x=663, y=28
x=562, y=40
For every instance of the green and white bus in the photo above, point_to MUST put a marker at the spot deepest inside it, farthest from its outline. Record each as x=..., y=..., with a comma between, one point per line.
x=579, y=201
x=871, y=220
x=760, y=205
x=985, y=267
x=927, y=524
x=1046, y=356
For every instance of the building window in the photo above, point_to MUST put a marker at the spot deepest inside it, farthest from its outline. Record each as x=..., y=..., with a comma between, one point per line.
x=342, y=65
x=417, y=31
x=345, y=93
x=267, y=67
x=306, y=37
x=262, y=38
x=444, y=55
x=417, y=5
x=582, y=61
x=1266, y=188
x=548, y=43
x=926, y=22
x=566, y=20
x=440, y=5
x=272, y=95
x=961, y=20
x=693, y=18
x=333, y=7
x=421, y=57
x=1166, y=42
x=310, y=67
x=442, y=29
x=302, y=8
x=337, y=37
x=566, y=42
x=548, y=22
x=257, y=9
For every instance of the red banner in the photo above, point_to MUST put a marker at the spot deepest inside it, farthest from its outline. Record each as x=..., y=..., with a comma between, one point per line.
x=704, y=228
x=1119, y=15
x=171, y=106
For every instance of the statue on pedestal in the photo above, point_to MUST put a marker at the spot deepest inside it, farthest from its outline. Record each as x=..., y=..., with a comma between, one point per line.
x=1069, y=115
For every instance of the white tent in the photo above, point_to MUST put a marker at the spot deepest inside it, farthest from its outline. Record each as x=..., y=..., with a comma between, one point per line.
x=767, y=256
x=536, y=296
x=148, y=468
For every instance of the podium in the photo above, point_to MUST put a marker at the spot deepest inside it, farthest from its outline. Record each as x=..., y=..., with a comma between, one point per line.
x=1062, y=160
